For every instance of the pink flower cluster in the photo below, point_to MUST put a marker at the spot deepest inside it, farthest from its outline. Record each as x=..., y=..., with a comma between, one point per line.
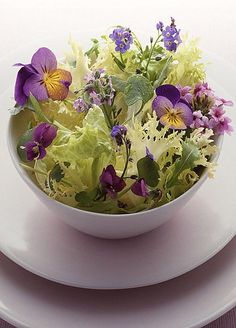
x=215, y=117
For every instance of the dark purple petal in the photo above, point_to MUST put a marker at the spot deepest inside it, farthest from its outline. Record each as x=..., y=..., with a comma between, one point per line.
x=44, y=134
x=44, y=60
x=32, y=150
x=111, y=182
x=35, y=86
x=169, y=91
x=186, y=113
x=160, y=104
x=42, y=152
x=22, y=76
x=106, y=178
x=140, y=188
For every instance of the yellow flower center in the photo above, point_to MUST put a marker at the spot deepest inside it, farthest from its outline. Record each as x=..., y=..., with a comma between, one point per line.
x=173, y=118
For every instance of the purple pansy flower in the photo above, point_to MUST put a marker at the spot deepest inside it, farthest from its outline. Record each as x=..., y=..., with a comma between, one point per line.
x=42, y=79
x=171, y=109
x=111, y=183
x=43, y=135
x=123, y=39
x=140, y=188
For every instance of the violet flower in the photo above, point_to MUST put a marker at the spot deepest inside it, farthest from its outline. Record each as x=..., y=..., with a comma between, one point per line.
x=223, y=126
x=118, y=132
x=80, y=105
x=171, y=36
x=185, y=93
x=139, y=188
x=111, y=183
x=123, y=39
x=171, y=109
x=43, y=136
x=42, y=79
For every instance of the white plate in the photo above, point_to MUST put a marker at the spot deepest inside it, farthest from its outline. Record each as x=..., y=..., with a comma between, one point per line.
x=189, y=301
x=36, y=240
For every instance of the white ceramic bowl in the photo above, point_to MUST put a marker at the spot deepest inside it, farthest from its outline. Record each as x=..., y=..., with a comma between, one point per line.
x=100, y=225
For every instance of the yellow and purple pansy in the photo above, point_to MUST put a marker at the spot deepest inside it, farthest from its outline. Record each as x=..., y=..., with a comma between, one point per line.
x=172, y=111
x=42, y=78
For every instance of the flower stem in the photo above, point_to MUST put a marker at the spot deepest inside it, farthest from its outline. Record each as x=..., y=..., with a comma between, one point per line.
x=127, y=149
x=151, y=52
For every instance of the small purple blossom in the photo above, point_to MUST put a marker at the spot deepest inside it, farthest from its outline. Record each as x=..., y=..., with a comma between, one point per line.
x=185, y=93
x=171, y=36
x=149, y=154
x=111, y=183
x=139, y=188
x=160, y=26
x=223, y=126
x=123, y=39
x=217, y=112
x=224, y=102
x=170, y=109
x=118, y=132
x=203, y=89
x=43, y=136
x=80, y=105
x=95, y=98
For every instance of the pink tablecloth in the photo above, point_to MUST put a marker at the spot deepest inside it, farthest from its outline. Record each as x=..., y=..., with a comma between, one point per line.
x=226, y=321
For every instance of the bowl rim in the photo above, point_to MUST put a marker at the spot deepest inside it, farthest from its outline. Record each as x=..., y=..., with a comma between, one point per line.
x=37, y=189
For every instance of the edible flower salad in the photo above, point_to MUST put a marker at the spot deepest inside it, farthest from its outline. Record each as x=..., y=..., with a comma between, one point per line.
x=122, y=127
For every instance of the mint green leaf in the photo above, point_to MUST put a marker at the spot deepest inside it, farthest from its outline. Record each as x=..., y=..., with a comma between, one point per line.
x=190, y=154
x=27, y=136
x=138, y=88
x=118, y=84
x=148, y=170
x=86, y=198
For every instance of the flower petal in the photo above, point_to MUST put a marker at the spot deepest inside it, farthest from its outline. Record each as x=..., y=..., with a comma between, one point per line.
x=22, y=76
x=35, y=85
x=169, y=91
x=58, y=83
x=185, y=113
x=173, y=123
x=44, y=134
x=161, y=104
x=44, y=60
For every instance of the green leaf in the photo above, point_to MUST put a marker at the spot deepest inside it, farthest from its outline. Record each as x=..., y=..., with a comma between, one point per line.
x=118, y=63
x=118, y=84
x=27, y=136
x=56, y=173
x=138, y=88
x=86, y=198
x=148, y=170
x=93, y=49
x=37, y=109
x=190, y=154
